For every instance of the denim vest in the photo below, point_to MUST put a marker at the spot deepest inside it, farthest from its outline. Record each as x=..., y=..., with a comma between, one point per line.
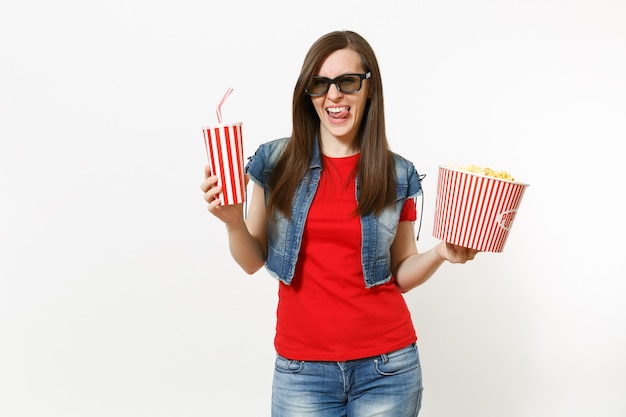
x=285, y=235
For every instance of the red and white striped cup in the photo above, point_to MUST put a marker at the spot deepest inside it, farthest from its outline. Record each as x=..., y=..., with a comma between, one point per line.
x=474, y=210
x=224, y=147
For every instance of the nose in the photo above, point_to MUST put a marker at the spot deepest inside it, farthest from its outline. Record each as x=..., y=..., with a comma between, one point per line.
x=333, y=90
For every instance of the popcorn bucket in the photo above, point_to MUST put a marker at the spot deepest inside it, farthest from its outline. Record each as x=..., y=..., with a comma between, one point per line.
x=474, y=210
x=224, y=147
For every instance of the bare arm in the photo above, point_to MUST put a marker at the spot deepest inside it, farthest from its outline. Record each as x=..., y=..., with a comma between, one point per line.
x=247, y=239
x=411, y=268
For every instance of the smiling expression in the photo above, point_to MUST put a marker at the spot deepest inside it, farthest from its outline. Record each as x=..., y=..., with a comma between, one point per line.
x=341, y=114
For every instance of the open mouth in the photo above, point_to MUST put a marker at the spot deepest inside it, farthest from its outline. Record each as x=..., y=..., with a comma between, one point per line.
x=338, y=112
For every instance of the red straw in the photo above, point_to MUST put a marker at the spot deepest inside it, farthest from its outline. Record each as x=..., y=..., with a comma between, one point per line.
x=219, y=106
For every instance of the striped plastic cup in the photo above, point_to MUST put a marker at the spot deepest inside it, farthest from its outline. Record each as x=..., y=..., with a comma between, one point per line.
x=224, y=147
x=474, y=210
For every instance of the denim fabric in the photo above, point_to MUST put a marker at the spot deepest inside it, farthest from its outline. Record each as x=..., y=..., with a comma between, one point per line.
x=388, y=385
x=285, y=235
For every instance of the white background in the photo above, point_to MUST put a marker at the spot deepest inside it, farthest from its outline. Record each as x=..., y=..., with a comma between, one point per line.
x=117, y=294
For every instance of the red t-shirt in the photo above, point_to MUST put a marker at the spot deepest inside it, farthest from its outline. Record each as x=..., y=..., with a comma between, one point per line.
x=327, y=314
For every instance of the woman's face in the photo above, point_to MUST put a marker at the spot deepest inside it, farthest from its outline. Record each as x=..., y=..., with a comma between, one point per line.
x=341, y=113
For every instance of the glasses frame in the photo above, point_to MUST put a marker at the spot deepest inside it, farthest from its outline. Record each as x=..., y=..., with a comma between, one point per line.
x=335, y=81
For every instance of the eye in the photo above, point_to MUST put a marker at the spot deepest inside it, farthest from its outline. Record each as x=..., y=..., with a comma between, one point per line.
x=349, y=82
x=319, y=82
x=317, y=85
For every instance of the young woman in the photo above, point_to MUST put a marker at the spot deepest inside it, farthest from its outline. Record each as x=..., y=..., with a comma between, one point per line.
x=332, y=218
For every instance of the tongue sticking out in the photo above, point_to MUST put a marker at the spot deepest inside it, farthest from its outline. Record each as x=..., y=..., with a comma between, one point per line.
x=338, y=113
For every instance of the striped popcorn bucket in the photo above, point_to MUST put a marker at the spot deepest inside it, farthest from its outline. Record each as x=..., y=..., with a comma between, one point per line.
x=224, y=148
x=474, y=210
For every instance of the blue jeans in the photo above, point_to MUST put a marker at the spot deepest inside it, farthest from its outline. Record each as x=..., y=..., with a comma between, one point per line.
x=389, y=385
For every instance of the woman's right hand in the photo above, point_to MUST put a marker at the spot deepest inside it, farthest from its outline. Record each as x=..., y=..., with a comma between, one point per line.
x=247, y=239
x=231, y=215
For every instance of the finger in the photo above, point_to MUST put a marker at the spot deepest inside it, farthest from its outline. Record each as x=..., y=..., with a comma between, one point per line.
x=206, y=185
x=461, y=253
x=209, y=182
x=469, y=254
x=207, y=171
x=213, y=197
x=212, y=194
x=214, y=204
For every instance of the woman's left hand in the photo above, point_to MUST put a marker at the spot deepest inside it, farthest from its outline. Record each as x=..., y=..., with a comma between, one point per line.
x=455, y=254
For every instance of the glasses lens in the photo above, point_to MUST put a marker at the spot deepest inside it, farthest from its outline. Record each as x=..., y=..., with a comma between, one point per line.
x=349, y=83
x=318, y=85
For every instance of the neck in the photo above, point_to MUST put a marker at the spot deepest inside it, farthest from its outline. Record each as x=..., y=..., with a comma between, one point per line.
x=338, y=148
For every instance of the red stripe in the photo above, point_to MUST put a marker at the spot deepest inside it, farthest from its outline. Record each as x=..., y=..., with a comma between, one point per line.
x=220, y=158
x=453, y=223
x=470, y=231
x=443, y=203
x=205, y=134
x=438, y=208
x=495, y=231
x=462, y=217
x=214, y=163
x=452, y=188
x=239, y=147
x=229, y=155
x=485, y=214
x=479, y=199
x=496, y=234
x=461, y=200
x=503, y=233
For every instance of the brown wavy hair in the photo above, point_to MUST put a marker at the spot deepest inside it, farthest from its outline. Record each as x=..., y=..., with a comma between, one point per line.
x=376, y=171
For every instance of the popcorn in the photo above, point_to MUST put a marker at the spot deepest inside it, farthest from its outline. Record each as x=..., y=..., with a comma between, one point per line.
x=475, y=207
x=487, y=172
